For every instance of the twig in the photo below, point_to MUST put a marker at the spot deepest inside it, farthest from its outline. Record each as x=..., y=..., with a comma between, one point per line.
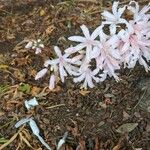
x=50, y=107
x=11, y=139
x=139, y=100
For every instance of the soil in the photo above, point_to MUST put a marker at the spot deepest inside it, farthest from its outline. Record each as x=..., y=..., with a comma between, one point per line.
x=91, y=117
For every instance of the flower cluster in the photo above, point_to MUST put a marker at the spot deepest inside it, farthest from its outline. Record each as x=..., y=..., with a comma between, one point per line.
x=37, y=45
x=100, y=54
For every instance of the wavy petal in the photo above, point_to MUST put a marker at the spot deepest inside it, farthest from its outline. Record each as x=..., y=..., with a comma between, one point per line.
x=108, y=16
x=114, y=8
x=57, y=51
x=62, y=72
x=52, y=82
x=41, y=73
x=29, y=44
x=80, y=78
x=51, y=62
x=77, y=39
x=89, y=81
x=85, y=31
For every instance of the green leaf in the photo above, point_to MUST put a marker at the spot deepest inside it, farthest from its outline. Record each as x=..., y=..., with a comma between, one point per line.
x=25, y=88
x=3, y=140
x=3, y=88
x=127, y=127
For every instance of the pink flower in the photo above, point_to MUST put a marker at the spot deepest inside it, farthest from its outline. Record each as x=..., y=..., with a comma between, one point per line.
x=134, y=48
x=37, y=45
x=138, y=14
x=114, y=18
x=87, y=75
x=64, y=63
x=109, y=58
x=85, y=42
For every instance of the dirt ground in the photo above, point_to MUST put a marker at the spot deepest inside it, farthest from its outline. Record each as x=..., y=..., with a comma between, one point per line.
x=111, y=116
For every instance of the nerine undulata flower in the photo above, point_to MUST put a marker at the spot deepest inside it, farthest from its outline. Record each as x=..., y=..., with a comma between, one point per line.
x=114, y=18
x=37, y=45
x=138, y=14
x=85, y=42
x=60, y=66
x=134, y=48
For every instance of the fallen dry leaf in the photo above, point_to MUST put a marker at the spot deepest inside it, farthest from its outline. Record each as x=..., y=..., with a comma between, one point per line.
x=35, y=90
x=84, y=92
x=127, y=127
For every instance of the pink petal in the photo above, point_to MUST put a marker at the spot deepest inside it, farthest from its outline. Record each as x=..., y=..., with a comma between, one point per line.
x=95, y=52
x=52, y=82
x=114, y=8
x=29, y=45
x=88, y=52
x=121, y=11
x=57, y=51
x=77, y=38
x=80, y=78
x=41, y=73
x=51, y=62
x=70, y=50
x=85, y=31
x=38, y=50
x=96, y=32
x=112, y=29
x=108, y=16
x=89, y=81
x=125, y=47
x=62, y=72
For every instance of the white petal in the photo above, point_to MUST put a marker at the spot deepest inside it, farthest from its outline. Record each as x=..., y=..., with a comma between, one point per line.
x=57, y=51
x=80, y=46
x=88, y=51
x=95, y=52
x=36, y=132
x=29, y=45
x=34, y=127
x=121, y=11
x=39, y=40
x=21, y=122
x=77, y=38
x=41, y=73
x=41, y=45
x=52, y=82
x=112, y=29
x=142, y=62
x=108, y=16
x=115, y=53
x=37, y=50
x=51, y=62
x=89, y=81
x=80, y=78
x=85, y=84
x=62, y=141
x=146, y=53
x=96, y=32
x=95, y=71
x=62, y=72
x=43, y=142
x=70, y=50
x=85, y=31
x=31, y=103
x=113, y=41
x=125, y=47
x=114, y=8
x=74, y=59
